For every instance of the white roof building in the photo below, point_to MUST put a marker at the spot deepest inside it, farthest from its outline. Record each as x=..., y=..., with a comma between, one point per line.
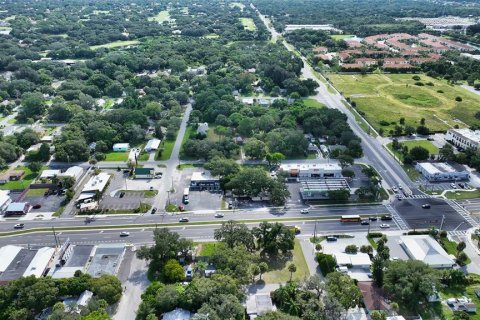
x=4, y=200
x=74, y=172
x=441, y=171
x=314, y=170
x=40, y=262
x=424, y=248
x=8, y=253
x=464, y=138
x=202, y=128
x=152, y=144
x=48, y=174
x=97, y=183
x=358, y=260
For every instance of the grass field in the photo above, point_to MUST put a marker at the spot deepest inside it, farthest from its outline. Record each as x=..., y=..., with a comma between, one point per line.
x=212, y=36
x=27, y=179
x=36, y=192
x=162, y=16
x=116, y=44
x=463, y=194
x=116, y=156
x=312, y=103
x=279, y=270
x=341, y=36
x=387, y=98
x=167, y=146
x=415, y=143
x=238, y=5
x=207, y=248
x=248, y=24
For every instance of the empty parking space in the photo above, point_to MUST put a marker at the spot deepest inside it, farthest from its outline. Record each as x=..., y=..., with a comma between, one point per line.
x=417, y=217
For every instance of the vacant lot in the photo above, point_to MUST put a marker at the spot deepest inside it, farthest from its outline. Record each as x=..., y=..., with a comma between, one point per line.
x=415, y=143
x=160, y=17
x=312, y=103
x=23, y=183
x=116, y=156
x=384, y=99
x=278, y=270
x=248, y=24
x=116, y=44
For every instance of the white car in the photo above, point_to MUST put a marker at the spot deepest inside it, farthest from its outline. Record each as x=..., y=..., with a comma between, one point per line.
x=394, y=189
x=453, y=185
x=384, y=226
x=304, y=211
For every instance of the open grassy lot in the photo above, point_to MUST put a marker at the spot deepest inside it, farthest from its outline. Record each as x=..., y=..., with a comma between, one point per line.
x=279, y=269
x=415, y=143
x=248, y=24
x=36, y=192
x=238, y=5
x=160, y=17
x=312, y=103
x=463, y=194
x=26, y=180
x=167, y=146
x=116, y=156
x=116, y=44
x=384, y=99
x=341, y=36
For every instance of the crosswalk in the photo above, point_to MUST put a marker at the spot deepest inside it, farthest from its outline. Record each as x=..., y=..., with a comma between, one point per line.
x=464, y=213
x=458, y=233
x=401, y=224
x=417, y=196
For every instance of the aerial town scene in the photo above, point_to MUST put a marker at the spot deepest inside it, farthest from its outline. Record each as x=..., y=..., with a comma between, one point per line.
x=234, y=160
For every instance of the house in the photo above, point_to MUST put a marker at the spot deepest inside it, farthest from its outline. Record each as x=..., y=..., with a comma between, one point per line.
x=144, y=173
x=441, y=171
x=17, y=208
x=121, y=147
x=4, y=200
x=259, y=304
x=426, y=249
x=152, y=145
x=204, y=181
x=238, y=140
x=12, y=175
x=374, y=298
x=74, y=305
x=367, y=62
x=75, y=172
x=394, y=61
x=202, y=128
x=49, y=174
x=177, y=314
x=358, y=260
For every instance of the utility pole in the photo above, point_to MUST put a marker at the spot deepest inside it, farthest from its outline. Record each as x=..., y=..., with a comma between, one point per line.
x=55, y=236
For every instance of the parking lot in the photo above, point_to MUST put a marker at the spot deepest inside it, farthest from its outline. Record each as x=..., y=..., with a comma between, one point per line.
x=129, y=201
x=441, y=186
x=417, y=217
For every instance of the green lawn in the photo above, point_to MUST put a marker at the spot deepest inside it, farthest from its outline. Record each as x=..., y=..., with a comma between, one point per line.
x=116, y=44
x=312, y=103
x=279, y=269
x=463, y=194
x=162, y=16
x=143, y=156
x=451, y=248
x=385, y=98
x=27, y=179
x=212, y=36
x=248, y=24
x=207, y=248
x=36, y=192
x=150, y=193
x=414, y=143
x=167, y=148
x=238, y=5
x=341, y=36
x=116, y=156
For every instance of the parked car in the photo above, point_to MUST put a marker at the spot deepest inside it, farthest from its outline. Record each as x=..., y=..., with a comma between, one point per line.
x=461, y=185
x=384, y=226
x=304, y=211
x=19, y=226
x=373, y=219
x=453, y=185
x=331, y=239
x=183, y=220
x=394, y=189
x=37, y=206
x=122, y=194
x=153, y=210
x=426, y=206
x=386, y=217
x=124, y=234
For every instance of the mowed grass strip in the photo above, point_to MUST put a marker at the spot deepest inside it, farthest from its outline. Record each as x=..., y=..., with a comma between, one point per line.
x=248, y=24
x=116, y=44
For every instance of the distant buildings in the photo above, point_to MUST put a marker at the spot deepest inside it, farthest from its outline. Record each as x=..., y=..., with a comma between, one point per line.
x=464, y=138
x=442, y=171
x=318, y=27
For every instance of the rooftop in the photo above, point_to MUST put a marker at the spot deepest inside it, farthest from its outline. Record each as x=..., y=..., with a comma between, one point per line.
x=203, y=176
x=177, y=314
x=121, y=145
x=40, y=262
x=425, y=248
x=439, y=167
x=107, y=259
x=468, y=134
x=373, y=296
x=144, y=170
x=311, y=166
x=97, y=183
x=16, y=206
x=8, y=253
x=18, y=266
x=323, y=185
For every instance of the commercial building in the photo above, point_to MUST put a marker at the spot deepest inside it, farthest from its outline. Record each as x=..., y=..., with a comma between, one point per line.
x=40, y=262
x=442, y=171
x=8, y=253
x=97, y=183
x=426, y=249
x=307, y=171
x=152, y=145
x=25, y=262
x=121, y=147
x=320, y=189
x=204, y=181
x=464, y=138
x=75, y=172
x=144, y=173
x=5, y=200
x=17, y=209
x=106, y=259
x=70, y=259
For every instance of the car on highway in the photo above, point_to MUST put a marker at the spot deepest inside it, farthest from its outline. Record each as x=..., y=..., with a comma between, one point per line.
x=373, y=218
x=426, y=206
x=394, y=189
x=386, y=217
x=219, y=215
x=384, y=226
x=124, y=234
x=183, y=220
x=461, y=185
x=37, y=206
x=19, y=226
x=153, y=210
x=400, y=187
x=304, y=211
x=399, y=197
x=365, y=222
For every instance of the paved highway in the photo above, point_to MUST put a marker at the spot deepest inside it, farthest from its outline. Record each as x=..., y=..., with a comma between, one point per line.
x=197, y=233
x=254, y=214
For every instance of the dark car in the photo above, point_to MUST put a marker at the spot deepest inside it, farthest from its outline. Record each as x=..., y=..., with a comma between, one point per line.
x=365, y=222
x=153, y=210
x=122, y=194
x=426, y=206
x=373, y=219
x=183, y=220
x=386, y=217
x=37, y=206
x=331, y=239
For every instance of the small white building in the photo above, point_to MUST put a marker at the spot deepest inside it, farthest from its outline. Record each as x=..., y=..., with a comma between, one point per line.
x=202, y=128
x=8, y=253
x=440, y=171
x=177, y=314
x=40, y=262
x=97, y=183
x=259, y=304
x=426, y=249
x=121, y=147
x=5, y=200
x=49, y=174
x=75, y=172
x=152, y=145
x=358, y=260
x=464, y=138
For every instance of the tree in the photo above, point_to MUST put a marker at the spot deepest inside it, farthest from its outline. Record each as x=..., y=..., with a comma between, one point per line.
x=255, y=149
x=347, y=173
x=315, y=283
x=377, y=315
x=108, y=288
x=97, y=315
x=222, y=167
x=274, y=238
x=410, y=282
x=377, y=270
x=255, y=271
x=345, y=160
x=462, y=258
x=278, y=192
x=368, y=249
x=274, y=158
x=423, y=130
x=352, y=249
x=461, y=246
x=419, y=153
x=250, y=182
x=33, y=106
x=233, y=234
x=340, y=195
x=446, y=153
x=342, y=288
x=263, y=267
x=35, y=166
x=409, y=130
x=43, y=153
x=292, y=268
x=173, y=271
x=326, y=262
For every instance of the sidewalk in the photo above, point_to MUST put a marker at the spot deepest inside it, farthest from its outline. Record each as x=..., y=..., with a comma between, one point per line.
x=309, y=254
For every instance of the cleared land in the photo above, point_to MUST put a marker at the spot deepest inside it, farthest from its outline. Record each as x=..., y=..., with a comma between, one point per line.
x=162, y=16
x=116, y=156
x=248, y=24
x=384, y=99
x=312, y=103
x=341, y=36
x=116, y=44
x=23, y=183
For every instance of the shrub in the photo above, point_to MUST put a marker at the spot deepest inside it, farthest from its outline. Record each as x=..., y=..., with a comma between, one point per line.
x=326, y=262
x=430, y=84
x=458, y=99
x=416, y=77
x=375, y=235
x=384, y=123
x=440, y=91
x=351, y=249
x=420, y=84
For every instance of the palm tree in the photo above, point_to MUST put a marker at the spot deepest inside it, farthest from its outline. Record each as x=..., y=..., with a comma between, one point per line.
x=292, y=268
